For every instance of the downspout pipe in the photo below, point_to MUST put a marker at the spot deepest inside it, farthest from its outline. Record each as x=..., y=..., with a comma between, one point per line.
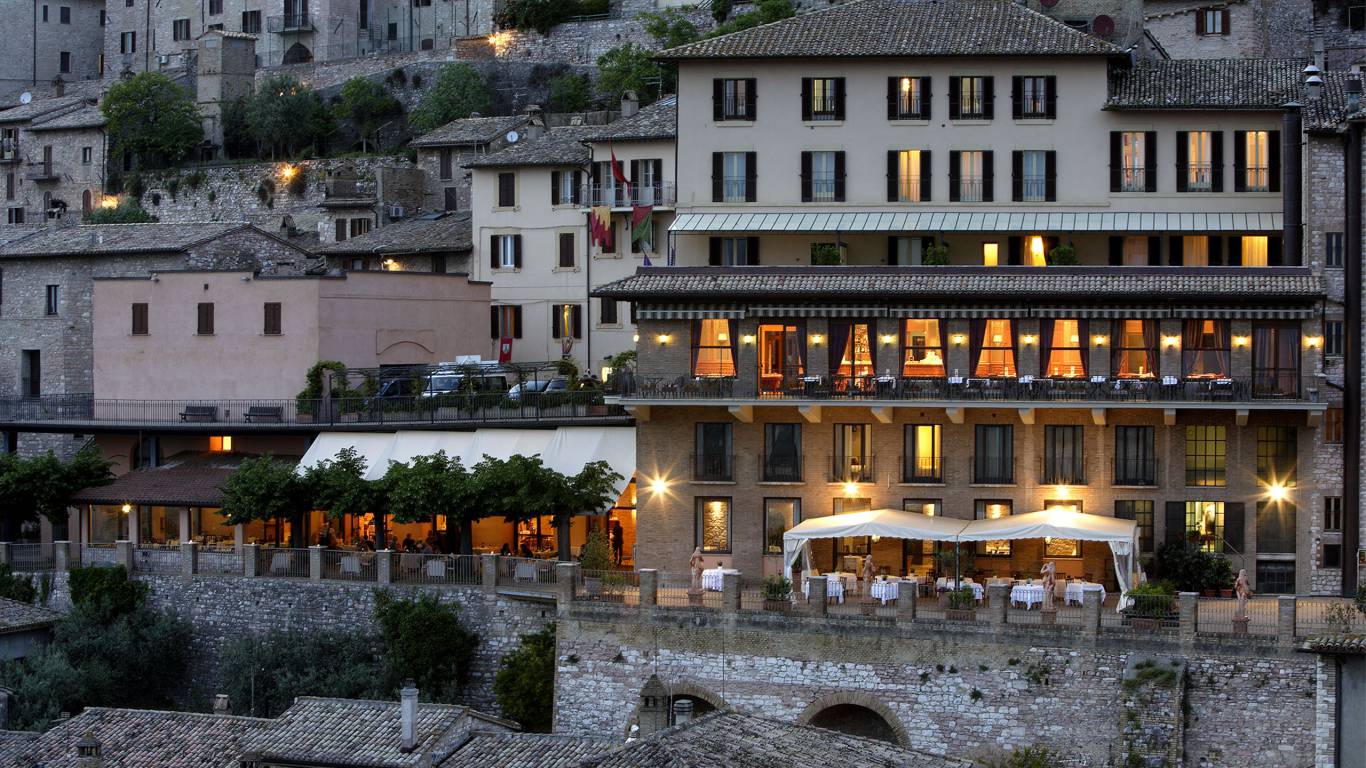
x=1292, y=191
x=1351, y=401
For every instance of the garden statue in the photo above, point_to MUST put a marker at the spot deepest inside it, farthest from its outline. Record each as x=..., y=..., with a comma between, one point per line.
x=696, y=564
x=1243, y=591
x=869, y=573
x=1050, y=572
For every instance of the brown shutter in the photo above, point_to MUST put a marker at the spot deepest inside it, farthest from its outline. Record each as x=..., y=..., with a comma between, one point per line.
x=1176, y=250
x=988, y=177
x=926, y=176
x=493, y=323
x=926, y=98
x=806, y=98
x=1014, y=250
x=205, y=325
x=988, y=97
x=556, y=331
x=893, y=112
x=1199, y=21
x=494, y=261
x=839, y=177
x=1216, y=159
x=445, y=164
x=1050, y=164
x=1235, y=251
x=1116, y=160
x=751, y=97
x=341, y=230
x=806, y=176
x=1234, y=516
x=718, y=99
x=1182, y=160
x=1116, y=251
x=1274, y=252
x=1224, y=27
x=713, y=251
x=1017, y=175
x=893, y=176
x=955, y=164
x=272, y=318
x=1154, y=251
x=1016, y=107
x=517, y=251
x=1150, y=161
x=566, y=250
x=839, y=98
x=576, y=319
x=955, y=89
x=751, y=176
x=139, y=319
x=752, y=251
x=1216, y=251
x=718, y=169
x=1273, y=161
x=554, y=187
x=1240, y=161
x=1051, y=97
x=517, y=322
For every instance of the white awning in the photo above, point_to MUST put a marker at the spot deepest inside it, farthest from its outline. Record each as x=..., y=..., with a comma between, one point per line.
x=406, y=445
x=573, y=447
x=976, y=221
x=1057, y=523
x=892, y=523
x=503, y=443
x=371, y=447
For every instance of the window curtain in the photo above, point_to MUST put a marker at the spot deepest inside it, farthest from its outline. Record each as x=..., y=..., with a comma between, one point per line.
x=794, y=351
x=976, y=341
x=696, y=344
x=1084, y=346
x=1046, y=328
x=841, y=345
x=733, y=328
x=1150, y=346
x=1264, y=352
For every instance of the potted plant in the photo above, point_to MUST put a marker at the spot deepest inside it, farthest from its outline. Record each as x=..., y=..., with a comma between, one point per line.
x=1063, y=256
x=596, y=564
x=777, y=592
x=936, y=255
x=962, y=604
x=1152, y=603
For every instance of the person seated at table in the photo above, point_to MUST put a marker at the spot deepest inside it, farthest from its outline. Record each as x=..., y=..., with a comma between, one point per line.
x=409, y=545
x=525, y=551
x=427, y=548
x=505, y=550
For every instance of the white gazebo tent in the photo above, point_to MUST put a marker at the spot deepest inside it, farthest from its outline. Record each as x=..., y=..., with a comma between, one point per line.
x=892, y=523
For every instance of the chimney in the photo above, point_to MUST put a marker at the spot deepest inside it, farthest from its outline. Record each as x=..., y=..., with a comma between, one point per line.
x=630, y=104
x=58, y=86
x=535, y=126
x=1353, y=95
x=407, y=716
x=682, y=711
x=222, y=705
x=88, y=751
x=1313, y=81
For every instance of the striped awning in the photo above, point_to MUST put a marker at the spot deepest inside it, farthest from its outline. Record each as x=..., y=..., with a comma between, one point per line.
x=976, y=221
x=818, y=310
x=1245, y=313
x=1118, y=313
x=689, y=312
x=950, y=312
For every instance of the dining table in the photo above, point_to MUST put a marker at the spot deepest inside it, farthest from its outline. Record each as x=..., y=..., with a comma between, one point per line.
x=1029, y=594
x=884, y=590
x=714, y=579
x=1075, y=591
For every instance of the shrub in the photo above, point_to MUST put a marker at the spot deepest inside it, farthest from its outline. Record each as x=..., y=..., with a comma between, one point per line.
x=720, y=10
x=777, y=587
x=424, y=641
x=263, y=674
x=128, y=211
x=669, y=28
x=459, y=91
x=570, y=92
x=597, y=553
x=1026, y=757
x=106, y=593
x=1063, y=256
x=962, y=599
x=366, y=105
x=628, y=67
x=1191, y=569
x=765, y=12
x=936, y=255
x=287, y=117
x=825, y=254
x=16, y=587
x=525, y=683
x=152, y=118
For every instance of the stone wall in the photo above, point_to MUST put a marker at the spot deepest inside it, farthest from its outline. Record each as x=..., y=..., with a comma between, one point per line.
x=226, y=607
x=942, y=688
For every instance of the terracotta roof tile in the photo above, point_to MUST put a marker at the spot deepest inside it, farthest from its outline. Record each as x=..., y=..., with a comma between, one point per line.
x=88, y=116
x=16, y=616
x=558, y=146
x=112, y=239
x=904, y=28
x=469, y=131
x=1252, y=84
x=1338, y=643
x=425, y=233
x=184, y=479
x=132, y=738
x=656, y=122
x=525, y=750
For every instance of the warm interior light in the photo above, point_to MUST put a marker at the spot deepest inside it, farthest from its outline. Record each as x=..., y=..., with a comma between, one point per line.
x=1062, y=493
x=109, y=202
x=1171, y=341
x=287, y=172
x=1037, y=257
x=1030, y=338
x=1100, y=340
x=659, y=486
x=499, y=42
x=747, y=338
x=958, y=339
x=390, y=265
x=723, y=336
x=888, y=339
x=1313, y=342
x=850, y=489
x=127, y=508
x=1276, y=492
x=635, y=337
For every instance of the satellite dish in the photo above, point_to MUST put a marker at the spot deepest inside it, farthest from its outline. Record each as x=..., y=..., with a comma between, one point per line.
x=25, y=97
x=1048, y=3
x=513, y=136
x=1103, y=25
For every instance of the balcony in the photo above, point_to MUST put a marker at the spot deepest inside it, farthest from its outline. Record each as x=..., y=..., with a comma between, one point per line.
x=661, y=195
x=853, y=469
x=921, y=469
x=42, y=172
x=84, y=413
x=1096, y=391
x=289, y=23
x=710, y=467
x=9, y=152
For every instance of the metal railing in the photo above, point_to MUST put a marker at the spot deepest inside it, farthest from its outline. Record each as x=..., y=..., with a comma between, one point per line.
x=525, y=571
x=970, y=189
x=219, y=562
x=921, y=469
x=853, y=469
x=349, y=565
x=31, y=557
x=94, y=555
x=713, y=467
x=1216, y=616
x=1146, y=613
x=417, y=567
x=611, y=586
x=662, y=194
x=289, y=22
x=292, y=563
x=45, y=171
x=1317, y=615
x=156, y=560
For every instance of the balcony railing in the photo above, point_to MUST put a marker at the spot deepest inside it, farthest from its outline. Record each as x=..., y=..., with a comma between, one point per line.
x=661, y=195
x=42, y=172
x=713, y=467
x=781, y=470
x=289, y=22
x=921, y=469
x=454, y=408
x=853, y=469
x=1098, y=389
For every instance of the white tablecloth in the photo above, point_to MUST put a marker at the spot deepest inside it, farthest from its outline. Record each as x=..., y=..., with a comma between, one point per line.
x=884, y=591
x=1029, y=594
x=713, y=579
x=833, y=586
x=1075, y=589
x=975, y=587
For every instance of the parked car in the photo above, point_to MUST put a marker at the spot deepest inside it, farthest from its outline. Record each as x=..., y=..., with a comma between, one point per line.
x=540, y=392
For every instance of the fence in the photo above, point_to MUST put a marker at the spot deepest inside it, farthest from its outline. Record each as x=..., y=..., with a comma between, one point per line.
x=93, y=555
x=525, y=571
x=289, y=563
x=437, y=569
x=1316, y=615
x=31, y=557
x=349, y=566
x=156, y=560
x=220, y=562
x=1216, y=616
x=608, y=586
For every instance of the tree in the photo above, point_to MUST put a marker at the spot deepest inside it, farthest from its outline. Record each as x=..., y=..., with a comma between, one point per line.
x=459, y=90
x=591, y=490
x=340, y=488
x=152, y=119
x=14, y=587
x=571, y=92
x=265, y=488
x=366, y=104
x=128, y=211
x=670, y=28
x=525, y=683
x=628, y=68
x=237, y=138
x=765, y=12
x=263, y=674
x=43, y=485
x=516, y=488
x=287, y=116
x=424, y=641
x=432, y=486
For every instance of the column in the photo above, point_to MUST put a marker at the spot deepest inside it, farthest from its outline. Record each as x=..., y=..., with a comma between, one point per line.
x=1188, y=606
x=998, y=597
x=61, y=556
x=239, y=536
x=1285, y=621
x=134, y=516
x=185, y=533
x=1090, y=614
x=189, y=559
x=384, y=566
x=649, y=589
x=315, y=562
x=730, y=592
x=6, y=552
x=123, y=555
x=815, y=599
x=250, y=558
x=566, y=578
x=907, y=594
x=489, y=564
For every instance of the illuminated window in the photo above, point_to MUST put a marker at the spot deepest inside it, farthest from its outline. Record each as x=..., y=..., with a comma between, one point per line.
x=1133, y=153
x=1255, y=250
x=922, y=352
x=908, y=99
x=971, y=179
x=851, y=353
x=779, y=516
x=994, y=454
x=991, y=254
x=220, y=444
x=1136, y=251
x=1204, y=349
x=782, y=349
x=1199, y=170
x=1135, y=349
x=993, y=509
x=995, y=341
x=1257, y=158
x=1195, y=251
x=908, y=176
x=1065, y=345
x=1205, y=524
x=713, y=525
x=923, y=454
x=826, y=94
x=1277, y=456
x=1141, y=512
x=851, y=545
x=713, y=347
x=1055, y=547
x=971, y=97
x=1206, y=455
x=1276, y=359
x=1035, y=251
x=853, y=454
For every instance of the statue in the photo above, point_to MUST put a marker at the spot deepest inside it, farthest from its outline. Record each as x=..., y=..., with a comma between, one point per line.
x=696, y=564
x=1243, y=591
x=869, y=573
x=1050, y=580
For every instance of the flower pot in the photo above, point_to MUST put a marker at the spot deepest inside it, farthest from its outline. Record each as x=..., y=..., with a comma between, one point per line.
x=1208, y=592
x=961, y=614
x=777, y=606
x=304, y=418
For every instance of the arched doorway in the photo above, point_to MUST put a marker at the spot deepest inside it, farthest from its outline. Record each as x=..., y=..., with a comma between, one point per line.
x=298, y=54
x=856, y=714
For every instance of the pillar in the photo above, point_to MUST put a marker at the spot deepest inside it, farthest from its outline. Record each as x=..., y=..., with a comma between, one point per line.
x=815, y=599
x=730, y=592
x=315, y=562
x=1188, y=606
x=384, y=566
x=489, y=570
x=907, y=594
x=62, y=559
x=998, y=598
x=566, y=579
x=189, y=558
x=239, y=537
x=251, y=558
x=649, y=588
x=6, y=553
x=1090, y=614
x=1285, y=621
x=123, y=555
x=134, y=515
x=83, y=524
x=185, y=533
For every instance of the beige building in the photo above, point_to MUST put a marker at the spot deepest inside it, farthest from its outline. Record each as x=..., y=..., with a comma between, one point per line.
x=1055, y=278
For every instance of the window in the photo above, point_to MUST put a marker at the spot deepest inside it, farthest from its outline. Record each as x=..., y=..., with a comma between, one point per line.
x=908, y=98
x=391, y=32
x=451, y=201
x=14, y=215
x=1211, y=21
x=64, y=14
x=204, y=319
x=53, y=300
x=735, y=186
x=566, y=250
x=87, y=155
x=713, y=524
x=823, y=177
x=993, y=352
x=992, y=509
x=507, y=251
x=851, y=545
x=1255, y=161
x=1275, y=527
x=1135, y=456
x=1332, y=249
x=507, y=190
x=713, y=347
x=972, y=180
x=139, y=319
x=1354, y=15
x=1057, y=547
x=713, y=459
x=271, y=325
x=733, y=251
x=991, y=254
x=1141, y=512
x=822, y=98
x=733, y=99
x=1194, y=251
x=1033, y=174
x=1275, y=359
x=970, y=98
x=9, y=186
x=1206, y=455
x=1064, y=455
x=994, y=454
x=607, y=312
x=360, y=226
x=31, y=373
x=1134, y=154
x=1204, y=349
x=220, y=443
x=1254, y=249
x=128, y=42
x=251, y=22
x=104, y=18
x=1134, y=354
x=922, y=348
x=853, y=454
x=908, y=176
x=851, y=355
x=1332, y=424
x=45, y=14
x=1197, y=149
x=923, y=455
x=215, y=7
x=445, y=158
x=180, y=29
x=907, y=251
x=1277, y=456
x=1332, y=513
x=779, y=516
x=567, y=188
x=506, y=321
x=1276, y=577
x=782, y=453
x=782, y=354
x=1205, y=524
x=1034, y=97
x=566, y=321
x=1330, y=555
x=1067, y=347
x=64, y=61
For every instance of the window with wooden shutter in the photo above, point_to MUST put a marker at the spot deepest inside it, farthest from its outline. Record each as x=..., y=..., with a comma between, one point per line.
x=494, y=313
x=576, y=320
x=607, y=312
x=1031, y=97
x=733, y=99
x=139, y=319
x=555, y=188
x=907, y=98
x=446, y=164
x=1150, y=161
x=822, y=98
x=806, y=177
x=507, y=190
x=452, y=199
x=205, y=318
x=341, y=230
x=566, y=250
x=272, y=318
x=751, y=176
x=517, y=251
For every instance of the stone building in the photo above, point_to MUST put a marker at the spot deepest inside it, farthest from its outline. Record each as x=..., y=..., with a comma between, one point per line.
x=1174, y=371
x=52, y=159
x=44, y=41
x=442, y=155
x=436, y=242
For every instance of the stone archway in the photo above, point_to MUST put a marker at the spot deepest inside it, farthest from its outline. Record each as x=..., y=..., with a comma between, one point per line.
x=297, y=54
x=856, y=714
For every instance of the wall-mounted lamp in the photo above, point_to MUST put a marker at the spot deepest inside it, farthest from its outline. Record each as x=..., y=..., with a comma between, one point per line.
x=659, y=486
x=635, y=337
x=851, y=489
x=1276, y=492
x=1240, y=341
x=663, y=339
x=1170, y=341
x=1100, y=340
x=817, y=339
x=127, y=508
x=888, y=339
x=747, y=339
x=958, y=339
x=1029, y=338
x=723, y=336
x=1313, y=342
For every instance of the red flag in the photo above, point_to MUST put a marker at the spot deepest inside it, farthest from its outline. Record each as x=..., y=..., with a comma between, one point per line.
x=505, y=349
x=617, y=173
